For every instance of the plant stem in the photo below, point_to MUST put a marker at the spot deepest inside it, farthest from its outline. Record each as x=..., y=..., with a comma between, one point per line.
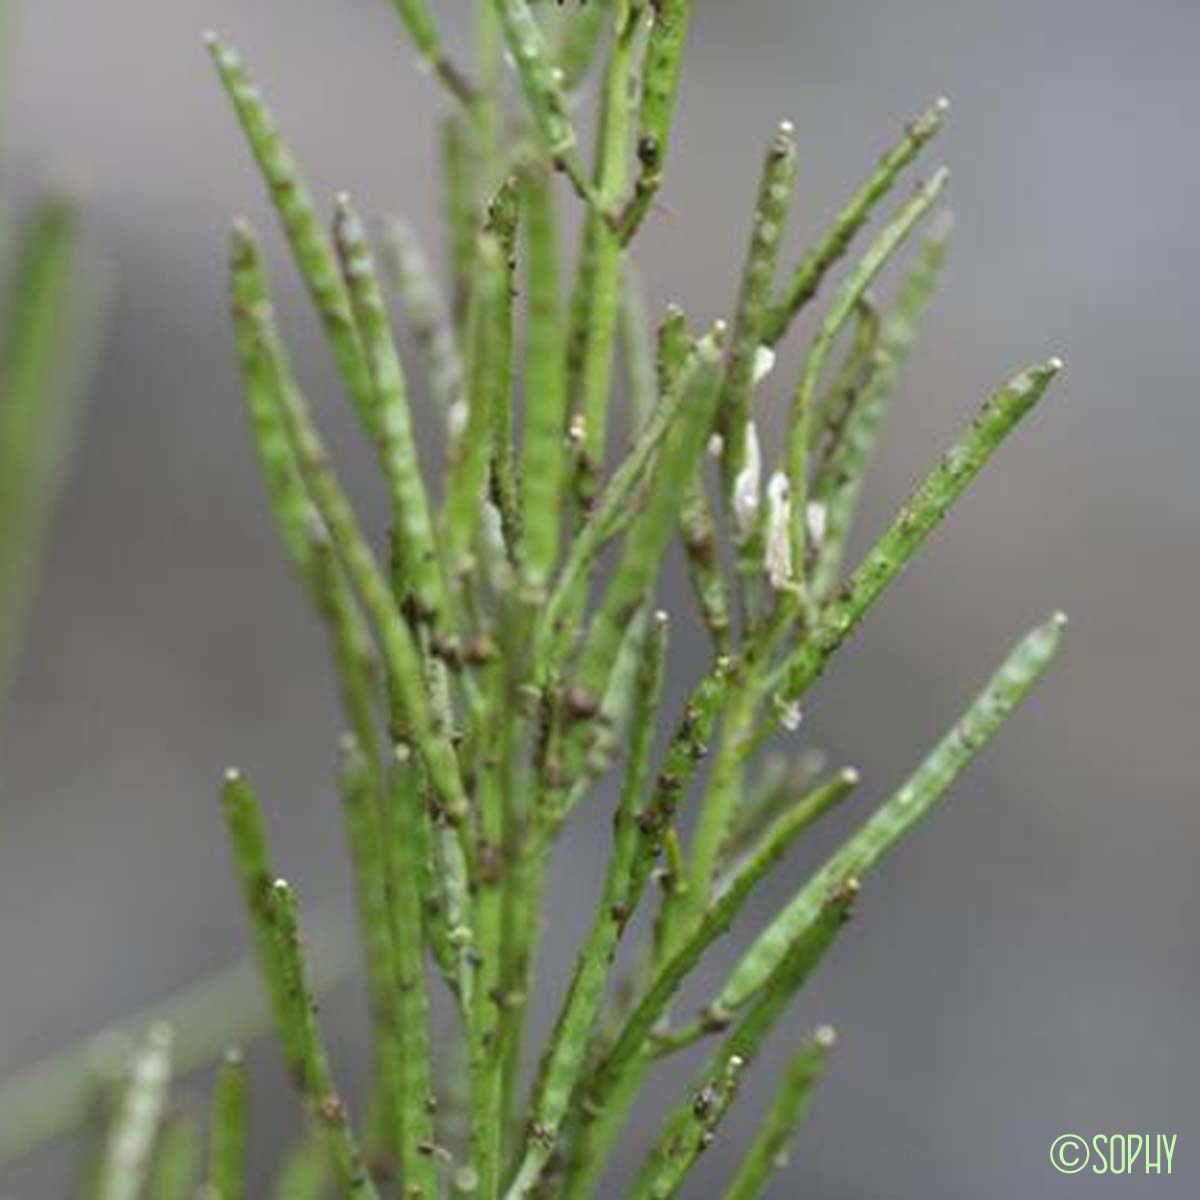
x=564, y=1059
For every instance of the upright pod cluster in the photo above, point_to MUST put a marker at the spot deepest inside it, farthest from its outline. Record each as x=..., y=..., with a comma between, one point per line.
x=503, y=655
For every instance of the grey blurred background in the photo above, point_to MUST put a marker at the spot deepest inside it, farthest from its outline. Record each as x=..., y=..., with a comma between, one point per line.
x=1029, y=964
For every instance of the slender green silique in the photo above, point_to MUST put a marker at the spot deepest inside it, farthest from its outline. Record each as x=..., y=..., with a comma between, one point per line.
x=252, y=861
x=418, y=564
x=780, y=785
x=399, y=652
x=685, y=752
x=697, y=524
x=175, y=1169
x=691, y=1129
x=543, y=458
x=33, y=402
x=982, y=720
x=811, y=271
x=675, y=1152
x=768, y=1153
x=503, y=222
x=300, y=527
x=326, y=1109
x=612, y=512
x=466, y=488
x=128, y=1152
x=596, y=303
x=311, y=247
x=661, y=72
x=839, y=483
x=361, y=786
x=886, y=243
x=775, y=189
x=643, y=548
x=707, y=926
x=295, y=515
x=917, y=519
x=228, y=1132
x=430, y=322
x=835, y=406
x=488, y=1027
x=458, y=188
x=402, y=817
x=544, y=90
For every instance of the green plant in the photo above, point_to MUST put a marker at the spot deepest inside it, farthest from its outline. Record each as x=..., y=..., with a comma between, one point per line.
x=39, y=331
x=507, y=656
